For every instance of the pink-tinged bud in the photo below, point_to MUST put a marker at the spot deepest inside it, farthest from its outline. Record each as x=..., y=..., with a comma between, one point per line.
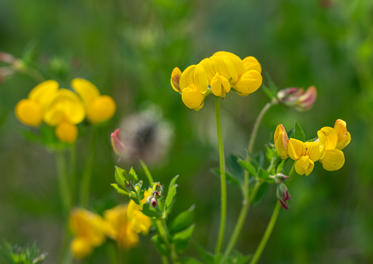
x=298, y=98
x=5, y=72
x=281, y=140
x=116, y=142
x=175, y=79
x=153, y=202
x=283, y=196
x=7, y=58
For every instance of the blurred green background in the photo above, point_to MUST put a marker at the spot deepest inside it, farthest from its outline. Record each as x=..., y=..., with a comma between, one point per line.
x=128, y=49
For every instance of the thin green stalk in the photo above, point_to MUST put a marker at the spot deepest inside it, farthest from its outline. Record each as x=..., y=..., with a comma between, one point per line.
x=223, y=212
x=63, y=182
x=73, y=172
x=87, y=174
x=256, y=125
x=267, y=234
x=147, y=172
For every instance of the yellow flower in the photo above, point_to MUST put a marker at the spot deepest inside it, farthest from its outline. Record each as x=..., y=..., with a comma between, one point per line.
x=65, y=111
x=99, y=108
x=332, y=141
x=220, y=85
x=281, y=141
x=30, y=111
x=305, y=154
x=89, y=230
x=221, y=72
x=126, y=223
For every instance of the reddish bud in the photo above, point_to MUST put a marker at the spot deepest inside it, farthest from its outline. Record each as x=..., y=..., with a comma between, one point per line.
x=298, y=98
x=153, y=202
x=116, y=142
x=7, y=58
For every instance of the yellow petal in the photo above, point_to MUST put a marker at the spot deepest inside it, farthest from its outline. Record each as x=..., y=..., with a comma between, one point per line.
x=187, y=77
x=249, y=82
x=304, y=166
x=344, y=137
x=175, y=78
x=101, y=109
x=66, y=107
x=67, y=132
x=209, y=67
x=220, y=86
x=80, y=248
x=333, y=160
x=200, y=79
x=192, y=98
x=235, y=60
x=44, y=93
x=313, y=150
x=86, y=90
x=29, y=112
x=296, y=148
x=251, y=63
x=328, y=138
x=281, y=141
x=224, y=66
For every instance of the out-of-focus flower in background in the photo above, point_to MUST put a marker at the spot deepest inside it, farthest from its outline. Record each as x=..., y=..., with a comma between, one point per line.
x=143, y=136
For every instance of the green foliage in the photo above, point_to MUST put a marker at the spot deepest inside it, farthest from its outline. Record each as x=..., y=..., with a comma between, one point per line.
x=14, y=254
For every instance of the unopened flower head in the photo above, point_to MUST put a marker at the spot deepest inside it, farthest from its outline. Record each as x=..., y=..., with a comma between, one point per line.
x=217, y=74
x=283, y=195
x=143, y=136
x=297, y=98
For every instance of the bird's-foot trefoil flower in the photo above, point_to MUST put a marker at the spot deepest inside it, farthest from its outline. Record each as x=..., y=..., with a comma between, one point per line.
x=99, y=108
x=332, y=141
x=305, y=155
x=281, y=141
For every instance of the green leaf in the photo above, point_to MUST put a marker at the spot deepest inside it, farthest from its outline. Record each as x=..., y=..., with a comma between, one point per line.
x=120, y=176
x=182, y=238
x=235, y=168
x=150, y=211
x=238, y=258
x=260, y=194
x=263, y=174
x=171, y=194
x=299, y=132
x=280, y=166
x=190, y=261
x=119, y=190
x=160, y=245
x=132, y=175
x=248, y=166
x=182, y=221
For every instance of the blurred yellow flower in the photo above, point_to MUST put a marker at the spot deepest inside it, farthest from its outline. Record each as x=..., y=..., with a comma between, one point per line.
x=89, y=230
x=281, y=141
x=30, y=111
x=332, y=141
x=217, y=74
x=305, y=154
x=99, y=108
x=126, y=222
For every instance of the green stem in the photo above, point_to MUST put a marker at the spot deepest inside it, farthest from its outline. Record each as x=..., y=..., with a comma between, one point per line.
x=162, y=230
x=223, y=212
x=87, y=174
x=267, y=234
x=73, y=172
x=256, y=125
x=63, y=182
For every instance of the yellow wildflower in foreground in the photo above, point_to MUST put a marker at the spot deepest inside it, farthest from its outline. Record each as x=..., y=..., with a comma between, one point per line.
x=305, y=154
x=217, y=74
x=30, y=111
x=332, y=141
x=99, y=108
x=89, y=230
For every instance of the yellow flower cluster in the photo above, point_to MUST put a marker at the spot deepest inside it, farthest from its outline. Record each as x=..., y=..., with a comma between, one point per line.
x=217, y=74
x=63, y=108
x=122, y=223
x=327, y=148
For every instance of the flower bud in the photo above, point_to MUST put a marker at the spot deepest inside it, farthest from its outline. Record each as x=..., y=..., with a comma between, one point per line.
x=5, y=72
x=281, y=141
x=153, y=202
x=220, y=85
x=6, y=58
x=116, y=142
x=297, y=98
x=175, y=79
x=283, y=196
